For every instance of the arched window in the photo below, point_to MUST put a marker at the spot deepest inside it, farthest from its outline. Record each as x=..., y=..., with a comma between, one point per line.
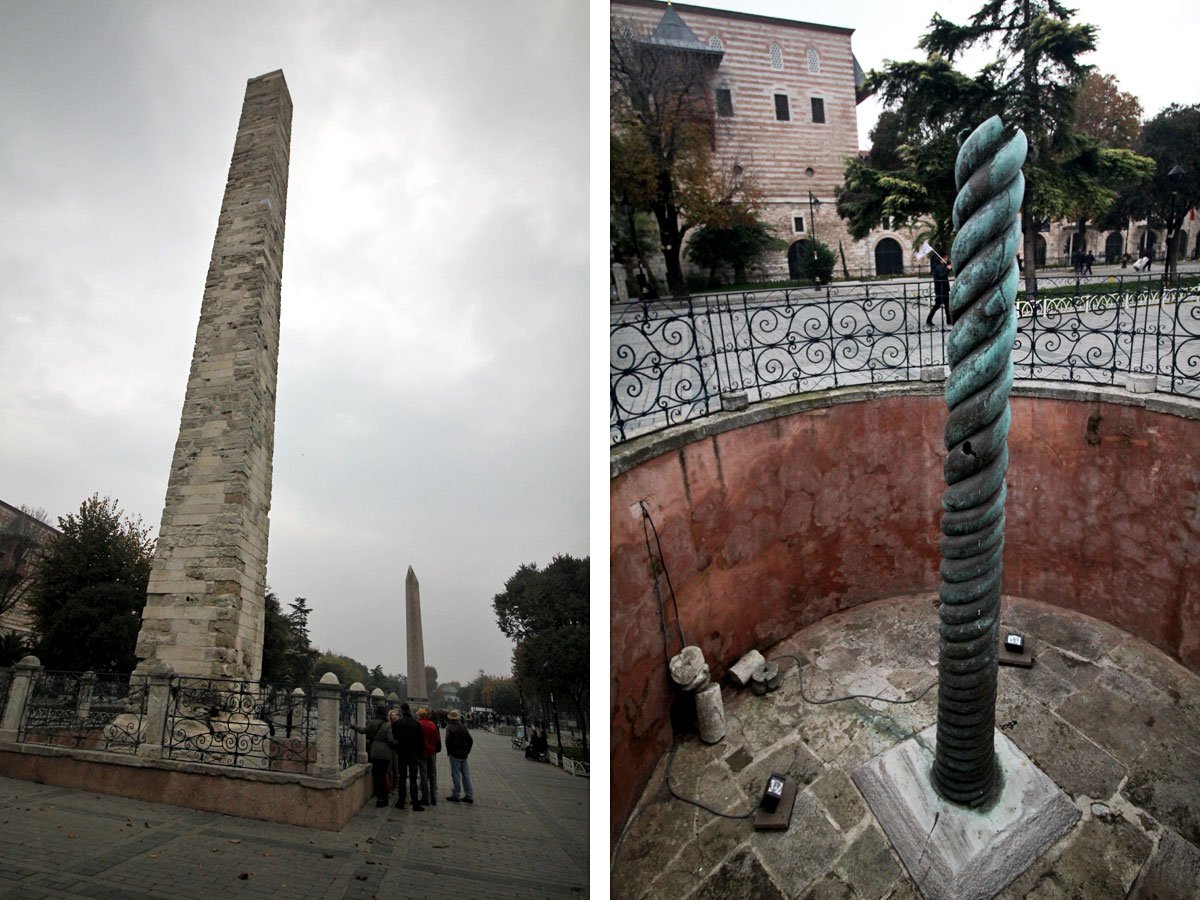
x=776, y=56
x=889, y=258
x=814, y=62
x=1039, y=251
x=714, y=43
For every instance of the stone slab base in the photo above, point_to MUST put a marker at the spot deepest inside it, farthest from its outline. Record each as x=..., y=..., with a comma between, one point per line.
x=954, y=853
x=327, y=804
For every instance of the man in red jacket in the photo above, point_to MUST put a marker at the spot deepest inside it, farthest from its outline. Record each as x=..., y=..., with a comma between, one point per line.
x=428, y=761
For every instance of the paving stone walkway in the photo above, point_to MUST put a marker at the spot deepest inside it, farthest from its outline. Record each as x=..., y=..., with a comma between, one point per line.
x=525, y=836
x=1109, y=718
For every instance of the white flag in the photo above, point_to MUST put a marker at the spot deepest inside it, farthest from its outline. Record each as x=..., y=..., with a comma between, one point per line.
x=924, y=251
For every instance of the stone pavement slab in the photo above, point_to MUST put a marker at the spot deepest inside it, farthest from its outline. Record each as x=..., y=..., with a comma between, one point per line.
x=526, y=835
x=1110, y=719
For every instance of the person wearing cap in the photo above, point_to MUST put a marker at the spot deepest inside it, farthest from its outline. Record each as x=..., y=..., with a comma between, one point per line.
x=410, y=744
x=428, y=763
x=379, y=751
x=458, y=746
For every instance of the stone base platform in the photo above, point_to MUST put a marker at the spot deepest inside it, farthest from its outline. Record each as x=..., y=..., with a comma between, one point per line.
x=1111, y=720
x=285, y=798
x=954, y=853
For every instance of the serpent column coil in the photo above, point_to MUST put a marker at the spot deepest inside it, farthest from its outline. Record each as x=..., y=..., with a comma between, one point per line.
x=990, y=192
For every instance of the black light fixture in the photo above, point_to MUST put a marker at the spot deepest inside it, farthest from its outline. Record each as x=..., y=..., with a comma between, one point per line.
x=813, y=205
x=1174, y=177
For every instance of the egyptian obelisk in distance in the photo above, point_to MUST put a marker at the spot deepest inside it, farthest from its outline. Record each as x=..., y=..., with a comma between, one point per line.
x=417, y=689
x=205, y=601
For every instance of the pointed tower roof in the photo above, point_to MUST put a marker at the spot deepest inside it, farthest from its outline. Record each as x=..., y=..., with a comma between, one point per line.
x=672, y=31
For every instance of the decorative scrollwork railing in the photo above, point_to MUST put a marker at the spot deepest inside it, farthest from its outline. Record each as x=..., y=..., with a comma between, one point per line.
x=671, y=360
x=240, y=724
x=86, y=711
x=347, y=736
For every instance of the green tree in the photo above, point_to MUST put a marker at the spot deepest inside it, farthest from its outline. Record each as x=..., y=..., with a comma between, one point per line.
x=908, y=179
x=347, y=669
x=288, y=656
x=1036, y=77
x=737, y=244
x=546, y=612
x=1171, y=139
x=661, y=141
x=90, y=588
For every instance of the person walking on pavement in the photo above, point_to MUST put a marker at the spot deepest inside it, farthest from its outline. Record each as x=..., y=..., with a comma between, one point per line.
x=410, y=743
x=458, y=747
x=428, y=766
x=1087, y=262
x=941, y=289
x=379, y=751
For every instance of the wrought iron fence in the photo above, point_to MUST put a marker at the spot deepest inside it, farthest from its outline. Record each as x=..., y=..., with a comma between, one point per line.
x=670, y=361
x=85, y=710
x=240, y=724
x=347, y=736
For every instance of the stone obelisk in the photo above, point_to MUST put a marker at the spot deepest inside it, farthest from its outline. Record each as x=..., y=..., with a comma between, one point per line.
x=417, y=689
x=204, y=605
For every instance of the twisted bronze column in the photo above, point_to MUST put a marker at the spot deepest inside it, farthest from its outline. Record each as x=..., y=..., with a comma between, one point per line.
x=990, y=192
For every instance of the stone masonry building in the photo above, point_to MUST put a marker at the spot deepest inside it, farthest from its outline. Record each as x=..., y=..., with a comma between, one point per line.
x=22, y=537
x=785, y=99
x=205, y=602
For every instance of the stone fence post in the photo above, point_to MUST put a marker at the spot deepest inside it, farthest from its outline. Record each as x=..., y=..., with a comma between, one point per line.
x=158, y=697
x=358, y=694
x=87, y=689
x=329, y=698
x=377, y=700
x=18, y=693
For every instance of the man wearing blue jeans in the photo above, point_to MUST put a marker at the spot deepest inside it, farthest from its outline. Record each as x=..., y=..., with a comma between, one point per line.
x=458, y=746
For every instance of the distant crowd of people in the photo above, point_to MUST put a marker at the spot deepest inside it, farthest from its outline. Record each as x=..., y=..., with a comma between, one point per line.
x=403, y=751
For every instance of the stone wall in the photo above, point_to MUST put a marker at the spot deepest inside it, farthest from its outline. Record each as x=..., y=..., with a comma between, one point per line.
x=204, y=606
x=773, y=518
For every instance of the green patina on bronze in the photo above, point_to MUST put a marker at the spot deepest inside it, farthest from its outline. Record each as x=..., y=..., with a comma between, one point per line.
x=982, y=308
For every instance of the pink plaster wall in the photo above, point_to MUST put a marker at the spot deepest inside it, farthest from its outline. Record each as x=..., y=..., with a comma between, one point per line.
x=772, y=526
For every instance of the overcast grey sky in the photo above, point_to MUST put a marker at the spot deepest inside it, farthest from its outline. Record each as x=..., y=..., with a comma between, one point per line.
x=432, y=369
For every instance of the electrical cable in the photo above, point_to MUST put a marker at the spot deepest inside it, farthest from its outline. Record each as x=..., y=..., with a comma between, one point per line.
x=662, y=563
x=662, y=567
x=807, y=699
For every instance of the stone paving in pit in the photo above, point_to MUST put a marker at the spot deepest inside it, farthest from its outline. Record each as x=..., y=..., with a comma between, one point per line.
x=1111, y=719
x=526, y=835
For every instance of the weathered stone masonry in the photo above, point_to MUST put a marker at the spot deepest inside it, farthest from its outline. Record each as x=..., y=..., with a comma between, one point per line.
x=204, y=605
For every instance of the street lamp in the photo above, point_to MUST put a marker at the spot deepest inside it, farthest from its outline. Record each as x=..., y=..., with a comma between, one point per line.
x=1175, y=176
x=813, y=205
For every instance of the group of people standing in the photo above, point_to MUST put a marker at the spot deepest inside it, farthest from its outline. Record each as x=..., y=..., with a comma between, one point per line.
x=403, y=749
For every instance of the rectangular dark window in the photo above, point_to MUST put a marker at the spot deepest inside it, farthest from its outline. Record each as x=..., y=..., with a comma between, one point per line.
x=781, y=108
x=724, y=102
x=818, y=109
x=798, y=224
